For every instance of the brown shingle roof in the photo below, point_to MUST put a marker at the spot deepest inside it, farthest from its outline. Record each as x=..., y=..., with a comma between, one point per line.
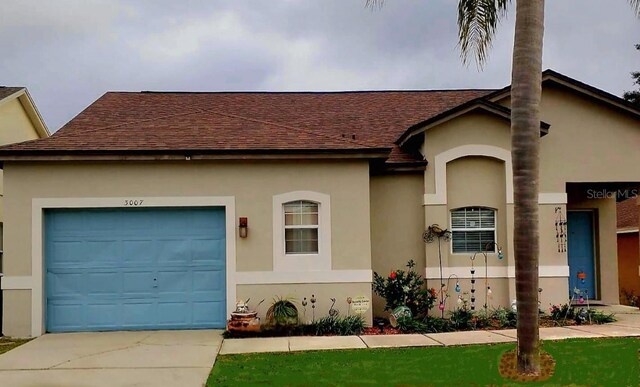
x=237, y=121
x=6, y=91
x=628, y=214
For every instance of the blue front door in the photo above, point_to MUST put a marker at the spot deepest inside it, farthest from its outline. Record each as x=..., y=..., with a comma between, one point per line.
x=581, y=252
x=142, y=268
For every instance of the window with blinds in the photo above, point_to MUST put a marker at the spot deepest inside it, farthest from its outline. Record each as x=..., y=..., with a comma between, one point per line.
x=301, y=227
x=473, y=229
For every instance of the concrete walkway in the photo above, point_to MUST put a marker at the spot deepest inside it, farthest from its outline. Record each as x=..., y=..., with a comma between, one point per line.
x=628, y=325
x=158, y=358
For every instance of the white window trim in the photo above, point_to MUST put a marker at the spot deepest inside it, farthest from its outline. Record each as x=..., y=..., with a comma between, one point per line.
x=302, y=262
x=495, y=229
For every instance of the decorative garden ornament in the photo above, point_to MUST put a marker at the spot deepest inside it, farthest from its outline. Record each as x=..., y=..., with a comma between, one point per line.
x=432, y=233
x=398, y=313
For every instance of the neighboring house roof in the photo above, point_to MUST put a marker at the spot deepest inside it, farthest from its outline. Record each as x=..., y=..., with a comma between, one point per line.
x=22, y=94
x=248, y=122
x=628, y=215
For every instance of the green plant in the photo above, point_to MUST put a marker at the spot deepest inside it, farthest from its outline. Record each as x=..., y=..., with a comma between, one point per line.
x=282, y=312
x=599, y=317
x=505, y=317
x=427, y=325
x=561, y=312
x=341, y=326
x=462, y=318
x=404, y=288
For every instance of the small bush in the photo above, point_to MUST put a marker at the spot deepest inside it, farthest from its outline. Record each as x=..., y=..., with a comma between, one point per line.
x=282, y=312
x=341, y=326
x=505, y=317
x=599, y=317
x=462, y=319
x=562, y=312
x=427, y=325
x=404, y=288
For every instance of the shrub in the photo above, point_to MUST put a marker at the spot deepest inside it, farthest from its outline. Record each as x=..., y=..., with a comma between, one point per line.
x=427, y=325
x=561, y=312
x=630, y=298
x=462, y=319
x=404, y=288
x=282, y=312
x=599, y=317
x=505, y=317
x=341, y=326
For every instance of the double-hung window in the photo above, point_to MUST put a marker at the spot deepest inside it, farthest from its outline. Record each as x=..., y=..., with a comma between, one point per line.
x=301, y=227
x=301, y=231
x=473, y=229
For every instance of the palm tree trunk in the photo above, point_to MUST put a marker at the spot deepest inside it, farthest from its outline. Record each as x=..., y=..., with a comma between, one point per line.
x=526, y=90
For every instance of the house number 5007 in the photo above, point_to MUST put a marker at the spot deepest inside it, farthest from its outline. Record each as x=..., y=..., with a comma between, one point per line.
x=130, y=203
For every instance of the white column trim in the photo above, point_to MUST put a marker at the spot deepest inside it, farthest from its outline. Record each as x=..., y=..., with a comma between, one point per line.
x=552, y=198
x=494, y=271
x=303, y=277
x=38, y=205
x=440, y=169
x=17, y=282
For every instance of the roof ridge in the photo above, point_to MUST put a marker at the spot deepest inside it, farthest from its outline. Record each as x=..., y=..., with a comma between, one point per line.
x=489, y=89
x=309, y=131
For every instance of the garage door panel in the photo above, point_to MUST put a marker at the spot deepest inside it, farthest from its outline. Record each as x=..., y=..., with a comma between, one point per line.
x=135, y=269
x=138, y=284
x=104, y=284
x=173, y=252
x=209, y=280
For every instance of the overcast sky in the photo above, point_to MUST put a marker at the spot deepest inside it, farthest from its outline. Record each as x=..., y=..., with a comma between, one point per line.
x=69, y=52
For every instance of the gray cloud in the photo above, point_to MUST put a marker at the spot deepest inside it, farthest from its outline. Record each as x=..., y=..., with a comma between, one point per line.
x=69, y=52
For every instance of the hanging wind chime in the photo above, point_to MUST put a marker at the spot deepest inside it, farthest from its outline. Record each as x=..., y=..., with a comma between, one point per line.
x=561, y=230
x=433, y=233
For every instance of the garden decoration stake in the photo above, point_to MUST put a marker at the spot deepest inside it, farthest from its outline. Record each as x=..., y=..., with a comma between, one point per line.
x=313, y=307
x=561, y=230
x=349, y=300
x=433, y=233
x=304, y=309
x=333, y=312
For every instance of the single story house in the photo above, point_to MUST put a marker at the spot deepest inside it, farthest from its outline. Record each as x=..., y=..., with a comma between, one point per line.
x=158, y=210
x=628, y=249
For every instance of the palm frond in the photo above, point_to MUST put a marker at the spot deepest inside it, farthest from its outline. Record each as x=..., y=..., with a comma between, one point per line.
x=373, y=4
x=477, y=24
x=635, y=4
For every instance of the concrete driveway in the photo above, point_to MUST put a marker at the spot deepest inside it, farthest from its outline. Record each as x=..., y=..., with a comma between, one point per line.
x=157, y=358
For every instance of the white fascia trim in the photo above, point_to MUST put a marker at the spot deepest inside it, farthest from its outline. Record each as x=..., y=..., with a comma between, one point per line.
x=38, y=205
x=440, y=169
x=302, y=262
x=552, y=198
x=303, y=277
x=628, y=231
x=494, y=272
x=17, y=282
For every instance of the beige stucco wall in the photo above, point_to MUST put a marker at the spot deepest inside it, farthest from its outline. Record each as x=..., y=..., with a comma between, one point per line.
x=15, y=126
x=252, y=184
x=588, y=141
x=397, y=224
x=323, y=293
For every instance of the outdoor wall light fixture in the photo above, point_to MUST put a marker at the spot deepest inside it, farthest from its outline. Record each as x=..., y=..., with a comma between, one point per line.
x=243, y=225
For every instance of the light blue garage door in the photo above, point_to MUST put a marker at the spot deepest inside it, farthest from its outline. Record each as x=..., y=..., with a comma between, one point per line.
x=125, y=269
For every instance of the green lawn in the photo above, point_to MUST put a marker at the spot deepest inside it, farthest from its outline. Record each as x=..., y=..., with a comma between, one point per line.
x=602, y=362
x=8, y=343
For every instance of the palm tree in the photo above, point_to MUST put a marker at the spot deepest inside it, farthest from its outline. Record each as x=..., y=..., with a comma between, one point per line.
x=477, y=24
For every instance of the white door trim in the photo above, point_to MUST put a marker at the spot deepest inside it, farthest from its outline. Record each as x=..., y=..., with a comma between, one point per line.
x=38, y=205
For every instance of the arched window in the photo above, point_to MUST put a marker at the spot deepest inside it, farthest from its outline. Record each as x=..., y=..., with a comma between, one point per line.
x=473, y=229
x=300, y=227
x=301, y=231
